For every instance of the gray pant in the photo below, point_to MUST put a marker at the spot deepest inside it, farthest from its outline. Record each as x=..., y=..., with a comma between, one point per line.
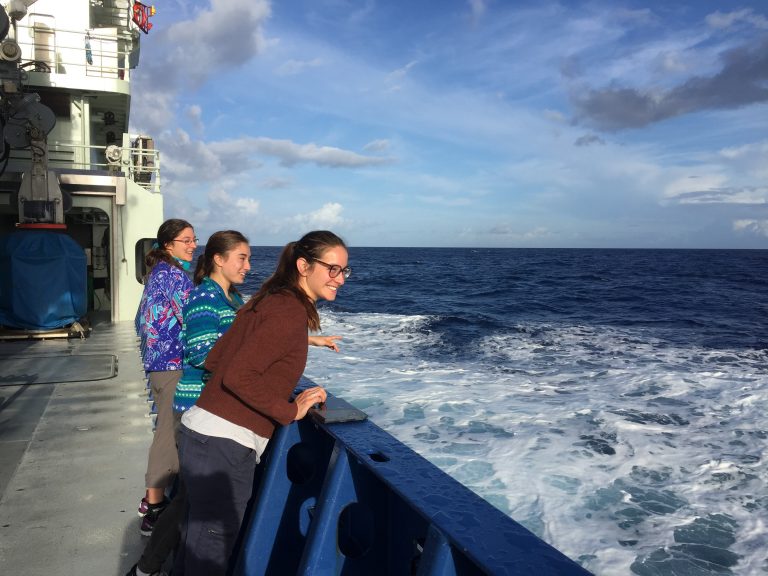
x=163, y=461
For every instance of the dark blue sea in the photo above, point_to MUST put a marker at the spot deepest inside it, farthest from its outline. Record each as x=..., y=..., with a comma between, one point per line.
x=612, y=401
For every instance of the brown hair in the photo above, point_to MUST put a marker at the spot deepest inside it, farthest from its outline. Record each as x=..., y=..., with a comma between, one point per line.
x=166, y=233
x=219, y=243
x=285, y=278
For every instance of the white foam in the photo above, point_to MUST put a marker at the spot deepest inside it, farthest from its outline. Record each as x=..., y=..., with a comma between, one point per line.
x=530, y=419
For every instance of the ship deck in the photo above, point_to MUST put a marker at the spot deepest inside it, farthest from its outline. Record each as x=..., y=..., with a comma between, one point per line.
x=74, y=435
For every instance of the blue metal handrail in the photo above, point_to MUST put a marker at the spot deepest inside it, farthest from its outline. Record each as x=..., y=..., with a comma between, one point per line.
x=349, y=498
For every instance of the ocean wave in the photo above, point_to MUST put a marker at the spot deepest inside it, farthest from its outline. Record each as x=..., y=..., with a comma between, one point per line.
x=630, y=442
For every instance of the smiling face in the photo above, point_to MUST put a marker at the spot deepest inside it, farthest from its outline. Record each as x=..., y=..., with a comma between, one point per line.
x=232, y=266
x=183, y=246
x=316, y=280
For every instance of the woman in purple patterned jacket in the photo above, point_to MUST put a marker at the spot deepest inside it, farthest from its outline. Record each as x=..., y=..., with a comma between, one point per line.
x=158, y=324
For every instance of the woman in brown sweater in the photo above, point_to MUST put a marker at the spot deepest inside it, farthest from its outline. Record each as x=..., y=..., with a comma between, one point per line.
x=255, y=367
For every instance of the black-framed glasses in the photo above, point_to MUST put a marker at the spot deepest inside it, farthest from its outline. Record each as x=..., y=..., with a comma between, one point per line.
x=334, y=269
x=188, y=241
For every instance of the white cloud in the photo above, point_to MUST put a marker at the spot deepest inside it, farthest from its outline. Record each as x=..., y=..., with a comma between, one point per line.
x=229, y=206
x=377, y=146
x=555, y=116
x=691, y=193
x=188, y=52
x=478, y=8
x=748, y=159
x=689, y=184
x=247, y=206
x=194, y=160
x=151, y=112
x=275, y=183
x=226, y=35
x=728, y=19
x=396, y=77
x=743, y=195
x=194, y=112
x=757, y=227
x=588, y=139
x=195, y=115
x=191, y=166
x=290, y=153
x=328, y=216
x=189, y=159
x=672, y=62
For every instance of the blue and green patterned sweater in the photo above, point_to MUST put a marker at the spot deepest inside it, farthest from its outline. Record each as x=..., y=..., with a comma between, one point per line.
x=207, y=315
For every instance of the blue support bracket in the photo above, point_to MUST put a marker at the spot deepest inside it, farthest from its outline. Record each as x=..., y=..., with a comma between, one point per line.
x=321, y=552
x=270, y=506
x=437, y=556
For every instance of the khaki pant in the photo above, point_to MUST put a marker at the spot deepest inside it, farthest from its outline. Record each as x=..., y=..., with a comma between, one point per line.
x=163, y=461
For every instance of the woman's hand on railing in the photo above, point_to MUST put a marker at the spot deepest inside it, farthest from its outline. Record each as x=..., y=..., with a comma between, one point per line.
x=308, y=398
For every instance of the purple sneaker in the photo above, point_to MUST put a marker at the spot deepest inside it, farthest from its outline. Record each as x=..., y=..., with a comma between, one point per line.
x=132, y=572
x=143, y=507
x=153, y=513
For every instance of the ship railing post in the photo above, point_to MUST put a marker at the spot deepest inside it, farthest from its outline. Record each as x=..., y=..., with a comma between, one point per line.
x=271, y=502
x=157, y=171
x=437, y=557
x=321, y=553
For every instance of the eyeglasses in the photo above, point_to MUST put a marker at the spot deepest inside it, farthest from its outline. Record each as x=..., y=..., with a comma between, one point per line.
x=334, y=269
x=187, y=241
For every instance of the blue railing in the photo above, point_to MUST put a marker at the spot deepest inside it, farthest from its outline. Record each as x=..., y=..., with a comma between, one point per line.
x=349, y=498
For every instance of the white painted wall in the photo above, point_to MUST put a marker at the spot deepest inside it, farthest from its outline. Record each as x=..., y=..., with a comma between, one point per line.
x=140, y=218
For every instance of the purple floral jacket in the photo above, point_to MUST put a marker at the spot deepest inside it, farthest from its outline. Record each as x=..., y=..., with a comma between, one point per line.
x=159, y=317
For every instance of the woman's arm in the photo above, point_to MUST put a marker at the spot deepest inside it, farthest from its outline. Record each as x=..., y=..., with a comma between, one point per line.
x=327, y=341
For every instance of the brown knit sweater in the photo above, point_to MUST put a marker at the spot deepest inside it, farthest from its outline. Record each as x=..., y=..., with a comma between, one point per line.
x=256, y=365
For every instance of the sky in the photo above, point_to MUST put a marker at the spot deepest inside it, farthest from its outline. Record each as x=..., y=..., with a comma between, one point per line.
x=462, y=123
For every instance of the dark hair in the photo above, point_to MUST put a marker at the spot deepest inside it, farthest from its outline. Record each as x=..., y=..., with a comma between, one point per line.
x=165, y=234
x=285, y=278
x=219, y=243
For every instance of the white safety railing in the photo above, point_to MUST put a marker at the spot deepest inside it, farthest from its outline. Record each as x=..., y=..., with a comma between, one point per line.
x=140, y=164
x=99, y=52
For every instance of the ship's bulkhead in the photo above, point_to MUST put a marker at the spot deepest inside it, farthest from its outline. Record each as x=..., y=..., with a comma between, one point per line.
x=93, y=197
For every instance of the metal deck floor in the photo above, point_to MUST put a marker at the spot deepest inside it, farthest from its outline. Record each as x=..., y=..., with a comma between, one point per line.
x=72, y=461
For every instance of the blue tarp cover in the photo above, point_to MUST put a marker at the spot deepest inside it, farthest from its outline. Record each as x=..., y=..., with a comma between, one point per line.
x=43, y=280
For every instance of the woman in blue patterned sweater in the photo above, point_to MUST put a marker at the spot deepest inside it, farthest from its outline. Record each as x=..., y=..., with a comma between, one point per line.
x=158, y=325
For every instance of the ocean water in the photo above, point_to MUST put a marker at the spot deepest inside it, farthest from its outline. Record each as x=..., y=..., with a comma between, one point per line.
x=615, y=402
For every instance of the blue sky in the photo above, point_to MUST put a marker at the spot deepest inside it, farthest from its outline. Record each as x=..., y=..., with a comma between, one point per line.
x=484, y=123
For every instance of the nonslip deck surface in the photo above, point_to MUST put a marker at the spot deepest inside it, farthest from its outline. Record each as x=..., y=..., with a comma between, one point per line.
x=72, y=454
x=32, y=369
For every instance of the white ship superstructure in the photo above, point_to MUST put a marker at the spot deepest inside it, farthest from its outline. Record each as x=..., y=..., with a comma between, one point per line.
x=68, y=162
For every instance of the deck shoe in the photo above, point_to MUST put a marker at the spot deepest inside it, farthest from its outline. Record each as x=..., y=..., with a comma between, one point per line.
x=153, y=513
